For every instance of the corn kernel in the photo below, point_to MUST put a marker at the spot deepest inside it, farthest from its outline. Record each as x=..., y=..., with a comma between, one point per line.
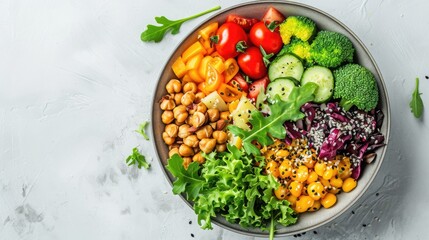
x=349, y=184
x=329, y=200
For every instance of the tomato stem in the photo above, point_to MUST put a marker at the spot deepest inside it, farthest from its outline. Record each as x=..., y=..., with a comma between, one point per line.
x=265, y=57
x=241, y=46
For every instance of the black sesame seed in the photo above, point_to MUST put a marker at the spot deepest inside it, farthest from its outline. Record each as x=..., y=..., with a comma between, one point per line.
x=190, y=222
x=427, y=77
x=363, y=225
x=192, y=235
x=314, y=232
x=377, y=194
x=353, y=212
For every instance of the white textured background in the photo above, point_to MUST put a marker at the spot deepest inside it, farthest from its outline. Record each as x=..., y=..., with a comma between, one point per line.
x=75, y=82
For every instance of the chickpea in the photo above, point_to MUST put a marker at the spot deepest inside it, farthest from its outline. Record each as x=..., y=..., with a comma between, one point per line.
x=188, y=98
x=167, y=104
x=204, y=132
x=207, y=145
x=167, y=139
x=186, y=162
x=213, y=114
x=221, y=147
x=220, y=136
x=173, y=86
x=201, y=107
x=221, y=124
x=190, y=87
x=197, y=120
x=225, y=115
x=184, y=131
x=185, y=150
x=180, y=113
x=173, y=151
x=199, y=158
x=178, y=98
x=172, y=130
x=191, y=141
x=199, y=96
x=167, y=117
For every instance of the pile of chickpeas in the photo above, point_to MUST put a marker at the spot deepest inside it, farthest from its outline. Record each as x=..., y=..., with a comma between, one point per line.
x=306, y=181
x=191, y=128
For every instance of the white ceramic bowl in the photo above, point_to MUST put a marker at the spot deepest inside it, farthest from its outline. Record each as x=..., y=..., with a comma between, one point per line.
x=256, y=9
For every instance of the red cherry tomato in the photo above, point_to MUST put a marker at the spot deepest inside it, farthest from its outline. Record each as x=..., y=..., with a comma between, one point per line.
x=273, y=15
x=251, y=62
x=256, y=86
x=245, y=23
x=269, y=39
x=230, y=36
x=239, y=82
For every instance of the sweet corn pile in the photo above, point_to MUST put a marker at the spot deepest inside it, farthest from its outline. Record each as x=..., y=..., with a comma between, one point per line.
x=306, y=181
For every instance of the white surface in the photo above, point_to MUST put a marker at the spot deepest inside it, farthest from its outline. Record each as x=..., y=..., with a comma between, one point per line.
x=75, y=82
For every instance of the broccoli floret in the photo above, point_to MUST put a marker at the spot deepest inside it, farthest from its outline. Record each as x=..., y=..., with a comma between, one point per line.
x=331, y=49
x=299, y=48
x=298, y=26
x=355, y=86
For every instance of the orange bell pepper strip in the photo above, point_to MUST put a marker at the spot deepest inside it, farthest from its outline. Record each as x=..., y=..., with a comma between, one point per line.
x=231, y=69
x=194, y=49
x=229, y=93
x=213, y=79
x=179, y=67
x=194, y=62
x=195, y=76
x=202, y=70
x=209, y=31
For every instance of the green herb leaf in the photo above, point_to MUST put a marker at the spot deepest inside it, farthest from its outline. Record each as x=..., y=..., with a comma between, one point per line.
x=142, y=130
x=416, y=103
x=156, y=33
x=187, y=180
x=136, y=158
x=264, y=128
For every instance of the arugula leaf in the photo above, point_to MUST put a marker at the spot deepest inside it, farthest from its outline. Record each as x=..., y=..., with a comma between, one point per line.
x=187, y=180
x=142, y=129
x=416, y=103
x=263, y=128
x=156, y=33
x=136, y=158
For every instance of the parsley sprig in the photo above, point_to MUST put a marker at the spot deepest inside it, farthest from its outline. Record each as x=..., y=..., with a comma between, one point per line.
x=136, y=158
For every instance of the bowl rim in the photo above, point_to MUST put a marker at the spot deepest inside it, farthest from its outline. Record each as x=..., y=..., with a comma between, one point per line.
x=381, y=82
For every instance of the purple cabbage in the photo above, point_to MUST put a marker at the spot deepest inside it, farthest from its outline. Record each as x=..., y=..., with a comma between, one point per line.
x=332, y=131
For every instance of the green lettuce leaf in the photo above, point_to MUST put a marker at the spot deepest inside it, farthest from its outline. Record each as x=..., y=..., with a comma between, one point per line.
x=187, y=180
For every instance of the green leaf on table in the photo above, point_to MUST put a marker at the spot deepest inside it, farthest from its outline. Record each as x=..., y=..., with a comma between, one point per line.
x=142, y=129
x=416, y=103
x=156, y=33
x=187, y=180
x=264, y=128
x=136, y=158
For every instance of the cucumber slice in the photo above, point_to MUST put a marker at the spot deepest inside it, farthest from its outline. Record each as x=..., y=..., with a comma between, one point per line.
x=323, y=78
x=281, y=87
x=286, y=65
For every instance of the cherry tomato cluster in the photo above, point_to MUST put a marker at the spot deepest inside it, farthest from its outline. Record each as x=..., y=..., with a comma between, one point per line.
x=232, y=58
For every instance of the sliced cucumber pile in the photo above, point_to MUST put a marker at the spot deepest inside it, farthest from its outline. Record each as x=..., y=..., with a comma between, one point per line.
x=280, y=87
x=286, y=65
x=323, y=77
